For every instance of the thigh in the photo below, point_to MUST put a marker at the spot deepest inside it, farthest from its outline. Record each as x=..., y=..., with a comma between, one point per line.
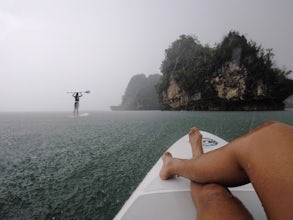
x=213, y=201
x=220, y=166
x=266, y=155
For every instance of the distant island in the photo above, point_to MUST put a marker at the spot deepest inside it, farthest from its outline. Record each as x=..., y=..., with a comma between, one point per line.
x=236, y=74
x=141, y=94
x=289, y=102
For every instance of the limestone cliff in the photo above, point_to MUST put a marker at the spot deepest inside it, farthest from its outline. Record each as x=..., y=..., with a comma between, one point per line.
x=140, y=94
x=175, y=97
x=230, y=84
x=289, y=102
x=236, y=74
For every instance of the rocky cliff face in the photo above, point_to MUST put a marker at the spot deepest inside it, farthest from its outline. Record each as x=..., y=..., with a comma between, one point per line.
x=230, y=82
x=236, y=74
x=175, y=97
x=140, y=94
x=289, y=102
x=230, y=86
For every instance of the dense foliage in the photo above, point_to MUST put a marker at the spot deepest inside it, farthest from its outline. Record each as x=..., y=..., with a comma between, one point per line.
x=187, y=61
x=193, y=65
x=257, y=61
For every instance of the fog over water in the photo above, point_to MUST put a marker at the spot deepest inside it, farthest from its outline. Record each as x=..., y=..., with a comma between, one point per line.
x=50, y=47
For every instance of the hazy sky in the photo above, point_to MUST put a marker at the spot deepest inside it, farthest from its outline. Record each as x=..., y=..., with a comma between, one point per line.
x=49, y=47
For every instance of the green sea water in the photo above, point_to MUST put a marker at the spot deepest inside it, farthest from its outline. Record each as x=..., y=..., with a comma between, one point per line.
x=54, y=166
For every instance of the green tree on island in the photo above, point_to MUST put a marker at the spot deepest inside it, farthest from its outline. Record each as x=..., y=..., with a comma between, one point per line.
x=196, y=68
x=256, y=60
x=188, y=62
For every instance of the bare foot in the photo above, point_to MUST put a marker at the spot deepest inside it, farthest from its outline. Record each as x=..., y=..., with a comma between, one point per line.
x=195, y=138
x=164, y=173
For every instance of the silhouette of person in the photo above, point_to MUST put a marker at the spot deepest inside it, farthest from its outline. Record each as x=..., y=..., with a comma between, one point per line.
x=76, y=96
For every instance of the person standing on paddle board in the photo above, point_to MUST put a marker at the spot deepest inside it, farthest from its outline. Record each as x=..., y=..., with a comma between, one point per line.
x=76, y=96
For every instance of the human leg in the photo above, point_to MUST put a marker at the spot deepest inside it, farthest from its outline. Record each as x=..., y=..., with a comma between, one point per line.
x=77, y=108
x=213, y=201
x=218, y=166
x=227, y=165
x=74, y=109
x=268, y=161
x=264, y=156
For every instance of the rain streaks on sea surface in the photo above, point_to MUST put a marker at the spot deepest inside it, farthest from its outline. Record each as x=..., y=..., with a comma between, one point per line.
x=57, y=167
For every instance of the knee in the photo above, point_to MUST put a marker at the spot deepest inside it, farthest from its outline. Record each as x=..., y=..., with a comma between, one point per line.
x=211, y=192
x=271, y=122
x=268, y=124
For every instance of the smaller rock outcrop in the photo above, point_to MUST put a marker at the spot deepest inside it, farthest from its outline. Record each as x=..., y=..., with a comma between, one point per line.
x=140, y=94
x=289, y=102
